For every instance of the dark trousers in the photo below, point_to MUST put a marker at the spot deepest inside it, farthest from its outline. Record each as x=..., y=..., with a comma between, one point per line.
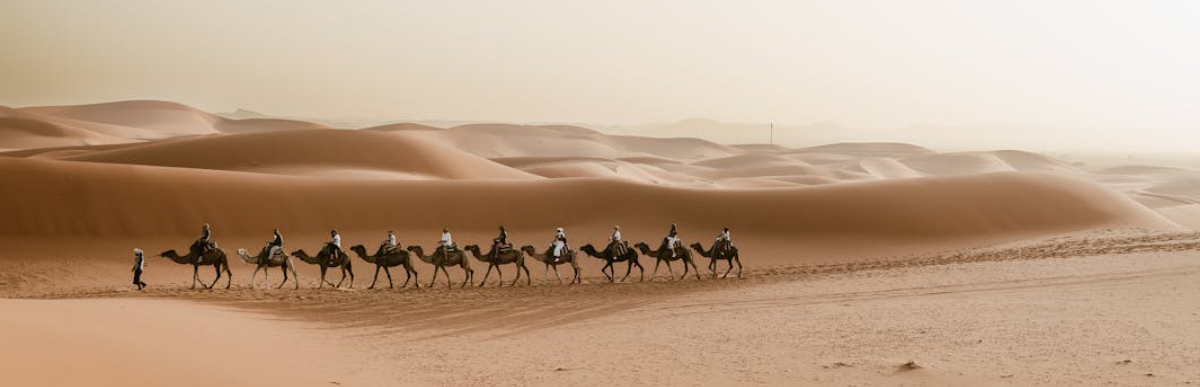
x=137, y=279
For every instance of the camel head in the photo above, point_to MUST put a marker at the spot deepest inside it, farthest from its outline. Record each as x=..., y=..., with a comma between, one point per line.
x=416, y=250
x=359, y=249
x=643, y=247
x=589, y=250
x=527, y=249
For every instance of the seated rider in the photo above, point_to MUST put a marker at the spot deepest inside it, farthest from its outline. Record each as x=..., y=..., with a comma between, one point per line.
x=390, y=245
x=334, y=246
x=723, y=242
x=559, y=244
x=672, y=240
x=618, y=248
x=275, y=246
x=501, y=241
x=447, y=241
x=204, y=242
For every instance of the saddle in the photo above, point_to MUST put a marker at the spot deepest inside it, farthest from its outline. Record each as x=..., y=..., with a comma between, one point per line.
x=505, y=247
x=618, y=249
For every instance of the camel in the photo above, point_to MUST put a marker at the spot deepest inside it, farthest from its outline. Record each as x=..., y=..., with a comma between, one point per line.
x=385, y=261
x=663, y=254
x=714, y=255
x=322, y=260
x=215, y=258
x=630, y=256
x=440, y=260
x=548, y=259
x=503, y=258
x=262, y=262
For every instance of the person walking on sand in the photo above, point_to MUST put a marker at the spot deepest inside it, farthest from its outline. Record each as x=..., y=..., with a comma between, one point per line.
x=139, y=265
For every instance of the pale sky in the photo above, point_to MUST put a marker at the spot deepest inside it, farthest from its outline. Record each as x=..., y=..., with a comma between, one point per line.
x=1129, y=69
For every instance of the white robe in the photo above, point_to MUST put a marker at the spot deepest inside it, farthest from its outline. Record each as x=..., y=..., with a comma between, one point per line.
x=446, y=240
x=559, y=244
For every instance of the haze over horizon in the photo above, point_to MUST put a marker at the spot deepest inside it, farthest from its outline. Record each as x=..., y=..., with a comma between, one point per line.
x=1060, y=74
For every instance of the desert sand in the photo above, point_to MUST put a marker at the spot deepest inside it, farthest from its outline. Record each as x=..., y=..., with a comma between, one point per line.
x=865, y=263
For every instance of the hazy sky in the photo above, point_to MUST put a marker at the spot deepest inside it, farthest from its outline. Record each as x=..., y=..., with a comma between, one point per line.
x=1078, y=68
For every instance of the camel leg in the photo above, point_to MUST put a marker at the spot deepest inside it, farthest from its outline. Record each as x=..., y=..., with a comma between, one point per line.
x=670, y=271
x=228, y=276
x=284, y=269
x=216, y=268
x=576, y=280
x=628, y=269
x=449, y=281
x=266, y=278
x=350, y=270
x=375, y=279
x=655, y=273
x=296, y=277
x=642, y=270
x=726, y=275
x=695, y=270
x=254, y=276
x=434, y=280
x=195, y=275
x=488, y=273
x=468, y=277
x=499, y=277
x=546, y=274
x=321, y=283
x=387, y=271
x=410, y=272
x=343, y=279
x=604, y=270
x=556, y=275
x=739, y=262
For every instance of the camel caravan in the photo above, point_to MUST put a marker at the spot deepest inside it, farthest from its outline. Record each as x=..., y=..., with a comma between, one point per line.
x=389, y=254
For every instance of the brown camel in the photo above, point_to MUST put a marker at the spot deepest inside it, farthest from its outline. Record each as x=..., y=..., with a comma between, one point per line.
x=214, y=257
x=663, y=254
x=504, y=257
x=548, y=259
x=630, y=256
x=264, y=263
x=730, y=255
x=440, y=260
x=322, y=260
x=385, y=261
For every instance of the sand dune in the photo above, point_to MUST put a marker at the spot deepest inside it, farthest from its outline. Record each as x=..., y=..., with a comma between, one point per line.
x=63, y=198
x=867, y=149
x=319, y=149
x=168, y=119
x=500, y=140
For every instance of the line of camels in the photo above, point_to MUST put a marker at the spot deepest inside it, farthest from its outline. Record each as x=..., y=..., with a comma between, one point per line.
x=216, y=258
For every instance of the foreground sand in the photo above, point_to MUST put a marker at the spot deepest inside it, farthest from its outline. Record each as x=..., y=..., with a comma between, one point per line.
x=1013, y=316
